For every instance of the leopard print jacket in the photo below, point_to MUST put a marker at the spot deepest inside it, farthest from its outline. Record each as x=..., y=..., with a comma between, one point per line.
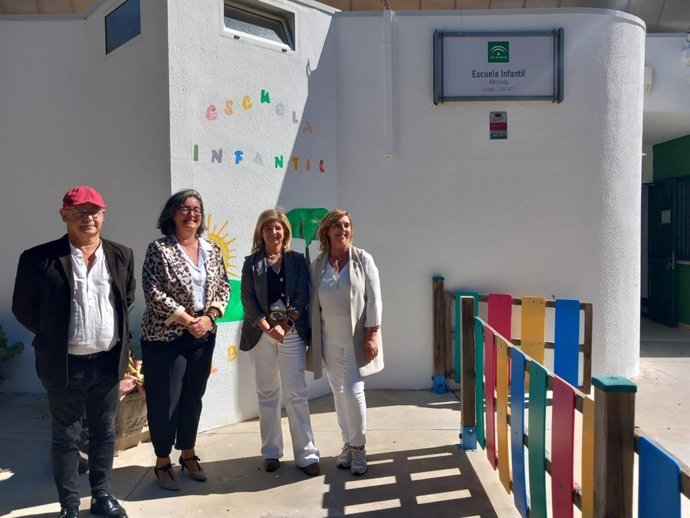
x=167, y=285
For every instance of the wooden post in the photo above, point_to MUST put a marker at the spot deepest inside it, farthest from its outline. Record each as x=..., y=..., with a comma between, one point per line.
x=468, y=387
x=614, y=446
x=439, y=310
x=448, y=336
x=587, y=353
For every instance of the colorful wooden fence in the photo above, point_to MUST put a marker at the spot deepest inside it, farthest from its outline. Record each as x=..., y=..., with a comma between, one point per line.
x=566, y=343
x=605, y=488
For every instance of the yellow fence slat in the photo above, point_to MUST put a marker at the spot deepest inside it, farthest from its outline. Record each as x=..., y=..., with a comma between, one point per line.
x=502, y=411
x=587, y=458
x=532, y=328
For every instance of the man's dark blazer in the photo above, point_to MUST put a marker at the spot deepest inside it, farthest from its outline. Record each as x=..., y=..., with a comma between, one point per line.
x=255, y=294
x=42, y=302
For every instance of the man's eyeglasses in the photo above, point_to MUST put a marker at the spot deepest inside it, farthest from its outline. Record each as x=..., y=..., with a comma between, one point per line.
x=190, y=210
x=82, y=214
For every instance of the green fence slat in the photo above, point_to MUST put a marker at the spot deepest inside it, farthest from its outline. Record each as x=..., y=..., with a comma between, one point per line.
x=479, y=382
x=537, y=440
x=458, y=336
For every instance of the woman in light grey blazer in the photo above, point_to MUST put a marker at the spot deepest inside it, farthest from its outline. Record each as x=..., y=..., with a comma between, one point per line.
x=275, y=296
x=346, y=320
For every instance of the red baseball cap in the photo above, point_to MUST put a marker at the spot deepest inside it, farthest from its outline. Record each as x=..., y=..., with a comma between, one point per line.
x=82, y=194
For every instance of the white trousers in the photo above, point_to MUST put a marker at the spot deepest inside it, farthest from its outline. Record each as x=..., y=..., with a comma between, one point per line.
x=348, y=392
x=282, y=365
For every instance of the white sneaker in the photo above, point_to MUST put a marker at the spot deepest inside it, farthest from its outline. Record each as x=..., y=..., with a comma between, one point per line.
x=358, y=465
x=345, y=458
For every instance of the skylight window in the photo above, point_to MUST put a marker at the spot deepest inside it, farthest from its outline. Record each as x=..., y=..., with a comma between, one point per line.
x=260, y=21
x=121, y=25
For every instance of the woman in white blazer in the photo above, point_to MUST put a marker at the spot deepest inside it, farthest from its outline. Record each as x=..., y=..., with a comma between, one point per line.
x=346, y=321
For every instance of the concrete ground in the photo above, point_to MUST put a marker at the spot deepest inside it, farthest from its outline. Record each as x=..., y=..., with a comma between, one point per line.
x=416, y=468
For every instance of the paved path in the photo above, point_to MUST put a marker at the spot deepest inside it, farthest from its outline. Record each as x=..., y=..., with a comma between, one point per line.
x=416, y=468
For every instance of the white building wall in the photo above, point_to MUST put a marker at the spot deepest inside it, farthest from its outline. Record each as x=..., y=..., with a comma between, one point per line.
x=208, y=70
x=671, y=74
x=554, y=210
x=70, y=115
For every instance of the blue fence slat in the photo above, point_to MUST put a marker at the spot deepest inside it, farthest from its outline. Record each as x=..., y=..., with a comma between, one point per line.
x=659, y=482
x=517, y=429
x=567, y=340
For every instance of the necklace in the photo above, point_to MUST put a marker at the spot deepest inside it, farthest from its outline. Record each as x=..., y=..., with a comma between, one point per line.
x=274, y=260
x=188, y=242
x=338, y=261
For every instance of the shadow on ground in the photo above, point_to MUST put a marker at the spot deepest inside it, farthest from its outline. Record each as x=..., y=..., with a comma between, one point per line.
x=418, y=470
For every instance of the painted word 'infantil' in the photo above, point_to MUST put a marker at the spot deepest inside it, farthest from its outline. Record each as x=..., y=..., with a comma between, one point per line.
x=507, y=72
x=238, y=156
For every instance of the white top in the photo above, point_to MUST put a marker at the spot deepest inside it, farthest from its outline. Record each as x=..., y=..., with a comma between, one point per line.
x=334, y=297
x=92, y=316
x=198, y=272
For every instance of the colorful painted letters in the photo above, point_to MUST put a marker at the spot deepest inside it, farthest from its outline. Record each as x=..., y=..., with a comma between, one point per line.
x=228, y=107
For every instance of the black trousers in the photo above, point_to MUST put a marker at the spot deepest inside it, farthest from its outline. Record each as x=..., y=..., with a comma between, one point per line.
x=176, y=373
x=92, y=384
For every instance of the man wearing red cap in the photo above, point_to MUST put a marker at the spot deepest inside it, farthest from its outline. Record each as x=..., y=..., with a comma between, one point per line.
x=74, y=295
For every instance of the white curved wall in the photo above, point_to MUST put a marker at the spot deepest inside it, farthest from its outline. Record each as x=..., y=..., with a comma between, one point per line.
x=552, y=210
x=296, y=119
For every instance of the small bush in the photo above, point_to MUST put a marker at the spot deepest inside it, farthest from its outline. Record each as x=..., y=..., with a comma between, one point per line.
x=8, y=352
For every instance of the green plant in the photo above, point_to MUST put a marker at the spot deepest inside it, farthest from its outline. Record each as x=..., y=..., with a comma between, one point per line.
x=8, y=352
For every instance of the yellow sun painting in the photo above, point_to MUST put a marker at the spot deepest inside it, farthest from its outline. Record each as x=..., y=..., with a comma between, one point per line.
x=226, y=244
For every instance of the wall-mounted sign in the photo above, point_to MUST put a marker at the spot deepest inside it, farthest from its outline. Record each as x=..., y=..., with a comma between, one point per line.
x=498, y=125
x=476, y=66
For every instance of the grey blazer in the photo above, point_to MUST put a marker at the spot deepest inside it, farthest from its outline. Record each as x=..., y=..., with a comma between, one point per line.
x=366, y=310
x=255, y=294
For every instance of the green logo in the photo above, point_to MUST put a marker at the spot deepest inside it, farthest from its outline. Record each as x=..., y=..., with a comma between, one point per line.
x=499, y=51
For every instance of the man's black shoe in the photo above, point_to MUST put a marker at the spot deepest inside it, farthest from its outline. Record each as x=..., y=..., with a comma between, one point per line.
x=107, y=506
x=71, y=511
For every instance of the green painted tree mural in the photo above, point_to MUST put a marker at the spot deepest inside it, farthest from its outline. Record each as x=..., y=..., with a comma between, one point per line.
x=305, y=223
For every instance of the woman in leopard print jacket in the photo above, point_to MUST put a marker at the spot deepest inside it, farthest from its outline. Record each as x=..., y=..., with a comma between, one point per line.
x=186, y=289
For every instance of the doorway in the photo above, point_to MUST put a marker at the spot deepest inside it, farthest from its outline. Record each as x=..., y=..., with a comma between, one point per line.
x=662, y=299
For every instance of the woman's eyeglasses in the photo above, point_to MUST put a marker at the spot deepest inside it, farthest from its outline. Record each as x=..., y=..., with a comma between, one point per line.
x=190, y=210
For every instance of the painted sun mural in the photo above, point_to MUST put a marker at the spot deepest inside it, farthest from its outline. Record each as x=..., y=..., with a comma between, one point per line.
x=220, y=236
x=226, y=244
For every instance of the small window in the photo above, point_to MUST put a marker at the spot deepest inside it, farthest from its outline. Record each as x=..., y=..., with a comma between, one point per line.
x=122, y=24
x=260, y=20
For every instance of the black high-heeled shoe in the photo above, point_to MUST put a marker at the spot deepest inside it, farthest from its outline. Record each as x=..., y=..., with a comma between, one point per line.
x=173, y=484
x=200, y=474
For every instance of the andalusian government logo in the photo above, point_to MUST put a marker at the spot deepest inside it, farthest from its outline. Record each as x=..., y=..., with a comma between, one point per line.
x=499, y=51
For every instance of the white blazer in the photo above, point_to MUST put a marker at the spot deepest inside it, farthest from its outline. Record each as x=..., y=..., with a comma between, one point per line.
x=366, y=309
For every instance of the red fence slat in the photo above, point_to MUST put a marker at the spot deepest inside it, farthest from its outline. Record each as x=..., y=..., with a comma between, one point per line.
x=501, y=314
x=490, y=388
x=562, y=438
